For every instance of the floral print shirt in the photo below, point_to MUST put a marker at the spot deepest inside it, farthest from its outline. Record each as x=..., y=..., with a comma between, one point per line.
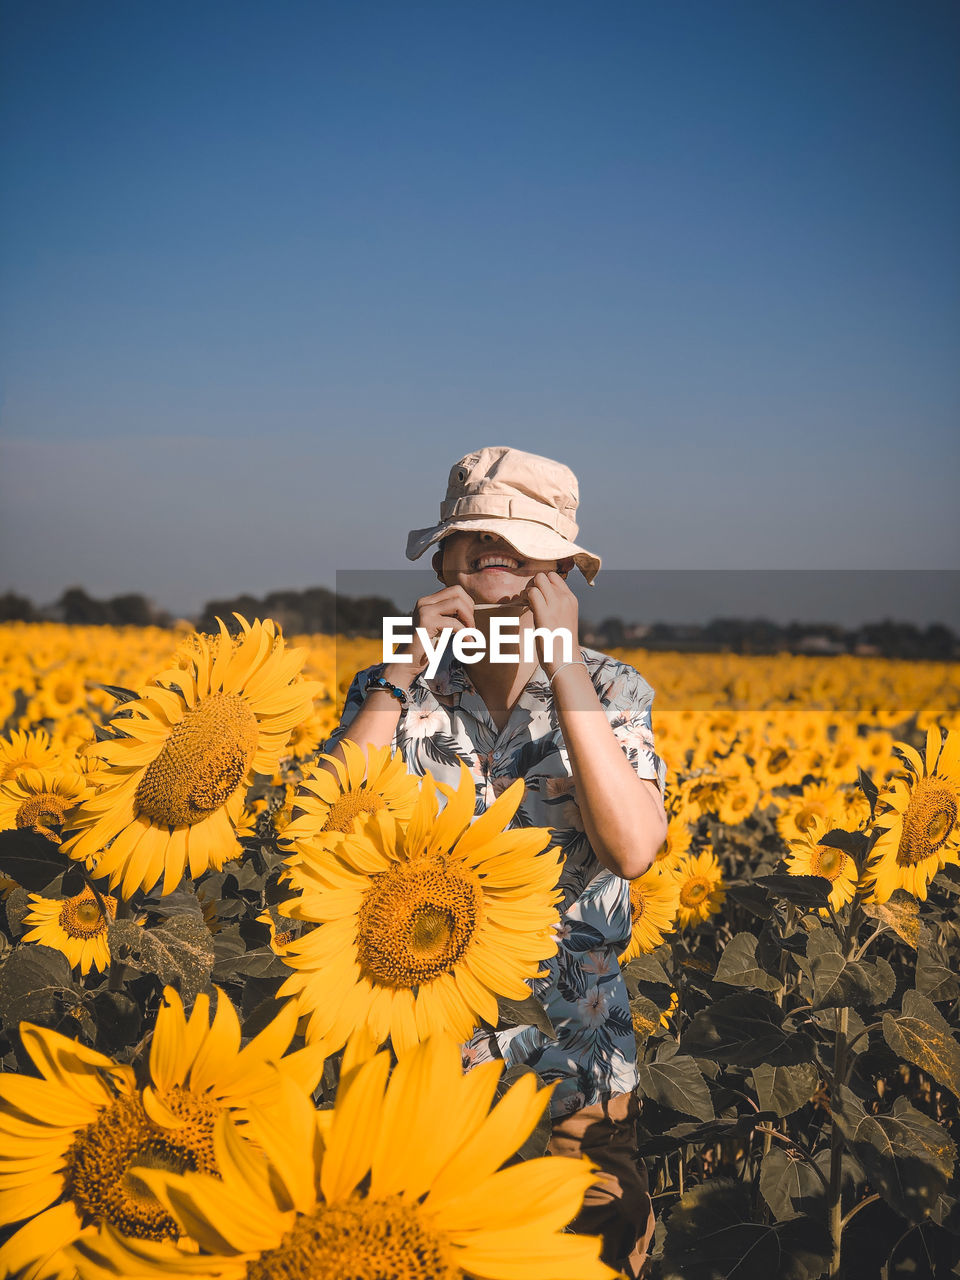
x=446, y=721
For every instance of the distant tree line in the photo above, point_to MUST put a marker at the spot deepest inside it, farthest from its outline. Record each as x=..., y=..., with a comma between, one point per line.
x=887, y=639
x=315, y=609
x=318, y=609
x=78, y=608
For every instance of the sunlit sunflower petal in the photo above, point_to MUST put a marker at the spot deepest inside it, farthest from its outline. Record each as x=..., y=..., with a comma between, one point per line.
x=429, y=934
x=215, y=730
x=400, y=1222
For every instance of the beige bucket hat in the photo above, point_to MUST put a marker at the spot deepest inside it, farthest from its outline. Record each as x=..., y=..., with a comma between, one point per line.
x=529, y=501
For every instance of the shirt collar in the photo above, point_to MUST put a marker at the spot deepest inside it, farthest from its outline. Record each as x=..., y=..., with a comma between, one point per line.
x=452, y=680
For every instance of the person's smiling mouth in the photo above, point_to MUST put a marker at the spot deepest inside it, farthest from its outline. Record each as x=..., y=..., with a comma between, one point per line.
x=494, y=560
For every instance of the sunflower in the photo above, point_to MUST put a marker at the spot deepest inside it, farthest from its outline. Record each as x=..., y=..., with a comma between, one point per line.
x=42, y=800
x=306, y=738
x=700, y=886
x=75, y=926
x=739, y=801
x=653, y=908
x=71, y=1140
x=173, y=785
x=917, y=822
x=842, y=754
x=875, y=753
x=678, y=840
x=279, y=938
x=377, y=1189
x=58, y=694
x=644, y=1024
x=819, y=802
x=26, y=751
x=779, y=763
x=328, y=805
x=807, y=857
x=73, y=735
x=854, y=807
x=708, y=789
x=670, y=1009
x=422, y=927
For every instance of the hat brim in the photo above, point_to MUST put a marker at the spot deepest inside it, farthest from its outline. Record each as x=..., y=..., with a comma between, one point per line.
x=530, y=539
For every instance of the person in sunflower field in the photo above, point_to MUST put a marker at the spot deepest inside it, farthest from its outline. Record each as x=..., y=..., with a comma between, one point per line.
x=579, y=733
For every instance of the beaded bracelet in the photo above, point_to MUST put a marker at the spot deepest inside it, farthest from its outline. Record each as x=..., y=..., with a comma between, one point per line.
x=577, y=662
x=378, y=682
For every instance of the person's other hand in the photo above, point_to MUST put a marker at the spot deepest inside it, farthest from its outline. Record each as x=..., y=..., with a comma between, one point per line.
x=451, y=607
x=554, y=605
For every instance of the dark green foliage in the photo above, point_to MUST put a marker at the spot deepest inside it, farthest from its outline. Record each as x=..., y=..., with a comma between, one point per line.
x=905, y=1155
x=712, y=1234
x=674, y=1080
x=30, y=859
x=922, y=1035
x=738, y=965
x=37, y=985
x=179, y=952
x=805, y=1074
x=746, y=1029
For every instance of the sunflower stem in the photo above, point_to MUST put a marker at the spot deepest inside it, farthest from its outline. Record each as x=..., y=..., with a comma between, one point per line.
x=861, y=1204
x=117, y=967
x=840, y=1049
x=836, y=1142
x=861, y=950
x=874, y=1026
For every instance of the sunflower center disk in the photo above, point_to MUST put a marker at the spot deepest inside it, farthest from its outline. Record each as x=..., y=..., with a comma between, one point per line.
x=80, y=917
x=204, y=760
x=930, y=818
x=100, y=1178
x=806, y=818
x=358, y=1240
x=350, y=805
x=42, y=813
x=827, y=862
x=416, y=921
x=694, y=892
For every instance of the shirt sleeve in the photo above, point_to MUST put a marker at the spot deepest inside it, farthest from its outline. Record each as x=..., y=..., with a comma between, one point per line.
x=354, y=701
x=628, y=702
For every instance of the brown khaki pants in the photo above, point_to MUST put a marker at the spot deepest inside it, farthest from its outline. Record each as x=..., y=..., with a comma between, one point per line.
x=617, y=1207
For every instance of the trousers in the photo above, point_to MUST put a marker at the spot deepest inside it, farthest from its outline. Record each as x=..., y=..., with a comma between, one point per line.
x=618, y=1206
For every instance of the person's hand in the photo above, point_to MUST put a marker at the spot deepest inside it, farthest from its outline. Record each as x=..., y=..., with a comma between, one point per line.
x=553, y=605
x=451, y=607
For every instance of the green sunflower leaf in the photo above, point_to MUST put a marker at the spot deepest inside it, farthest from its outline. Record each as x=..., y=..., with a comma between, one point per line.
x=921, y=1035
x=711, y=1235
x=905, y=1155
x=738, y=965
x=37, y=985
x=785, y=1089
x=30, y=859
x=746, y=1030
x=676, y=1082
x=525, y=1013
x=802, y=891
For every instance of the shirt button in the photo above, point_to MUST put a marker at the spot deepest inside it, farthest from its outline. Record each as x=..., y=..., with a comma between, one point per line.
x=497, y=755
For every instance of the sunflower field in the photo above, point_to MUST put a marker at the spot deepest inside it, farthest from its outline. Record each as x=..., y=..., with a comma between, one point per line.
x=234, y=977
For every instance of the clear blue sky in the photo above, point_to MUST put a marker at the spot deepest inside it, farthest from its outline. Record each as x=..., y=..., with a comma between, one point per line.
x=269, y=268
